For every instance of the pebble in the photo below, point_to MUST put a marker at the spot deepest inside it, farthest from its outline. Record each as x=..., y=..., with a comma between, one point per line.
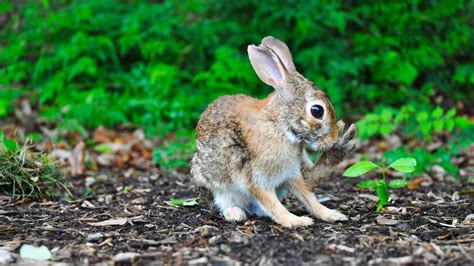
x=5, y=256
x=125, y=256
x=94, y=237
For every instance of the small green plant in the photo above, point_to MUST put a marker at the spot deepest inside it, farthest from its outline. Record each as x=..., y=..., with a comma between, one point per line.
x=403, y=165
x=28, y=175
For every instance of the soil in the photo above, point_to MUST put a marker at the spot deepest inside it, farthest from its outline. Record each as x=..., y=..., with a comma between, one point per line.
x=423, y=225
x=430, y=222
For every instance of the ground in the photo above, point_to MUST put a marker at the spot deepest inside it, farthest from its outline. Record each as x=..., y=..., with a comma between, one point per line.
x=123, y=217
x=422, y=226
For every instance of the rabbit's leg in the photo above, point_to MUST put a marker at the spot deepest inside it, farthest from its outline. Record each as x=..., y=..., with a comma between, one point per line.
x=270, y=203
x=346, y=144
x=301, y=191
x=230, y=205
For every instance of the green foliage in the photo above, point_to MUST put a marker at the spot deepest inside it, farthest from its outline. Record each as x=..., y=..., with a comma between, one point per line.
x=403, y=165
x=6, y=99
x=417, y=120
x=24, y=174
x=158, y=64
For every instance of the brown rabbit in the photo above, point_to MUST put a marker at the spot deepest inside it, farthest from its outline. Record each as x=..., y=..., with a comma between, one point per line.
x=250, y=152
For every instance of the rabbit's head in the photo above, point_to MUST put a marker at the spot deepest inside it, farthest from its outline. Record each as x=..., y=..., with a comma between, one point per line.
x=302, y=110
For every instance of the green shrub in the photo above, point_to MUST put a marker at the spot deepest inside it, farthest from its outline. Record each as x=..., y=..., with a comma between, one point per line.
x=159, y=64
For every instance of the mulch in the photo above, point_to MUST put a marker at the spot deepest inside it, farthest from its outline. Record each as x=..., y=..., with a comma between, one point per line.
x=123, y=217
x=426, y=225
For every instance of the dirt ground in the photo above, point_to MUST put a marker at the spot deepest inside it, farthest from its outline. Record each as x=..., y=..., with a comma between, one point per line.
x=423, y=226
x=125, y=218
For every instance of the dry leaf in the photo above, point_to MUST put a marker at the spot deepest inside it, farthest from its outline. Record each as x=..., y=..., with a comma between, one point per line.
x=77, y=159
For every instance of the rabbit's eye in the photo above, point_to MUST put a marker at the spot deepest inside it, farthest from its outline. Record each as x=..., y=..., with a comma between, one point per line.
x=317, y=111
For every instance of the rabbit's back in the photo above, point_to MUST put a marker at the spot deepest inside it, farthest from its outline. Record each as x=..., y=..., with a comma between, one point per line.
x=221, y=146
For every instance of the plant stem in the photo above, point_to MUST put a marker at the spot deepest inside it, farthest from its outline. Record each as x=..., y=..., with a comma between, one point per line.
x=383, y=171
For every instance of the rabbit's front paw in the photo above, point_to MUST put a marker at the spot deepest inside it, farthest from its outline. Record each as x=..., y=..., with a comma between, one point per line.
x=293, y=221
x=330, y=215
x=346, y=144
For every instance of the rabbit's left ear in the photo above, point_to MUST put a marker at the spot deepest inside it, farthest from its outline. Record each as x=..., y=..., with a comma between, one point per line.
x=270, y=69
x=280, y=48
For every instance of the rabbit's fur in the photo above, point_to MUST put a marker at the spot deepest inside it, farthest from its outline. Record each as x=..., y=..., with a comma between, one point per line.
x=250, y=152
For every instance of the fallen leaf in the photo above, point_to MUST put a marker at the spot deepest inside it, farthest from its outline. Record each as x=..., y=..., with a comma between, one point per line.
x=115, y=221
x=415, y=184
x=77, y=159
x=31, y=252
x=182, y=202
x=101, y=135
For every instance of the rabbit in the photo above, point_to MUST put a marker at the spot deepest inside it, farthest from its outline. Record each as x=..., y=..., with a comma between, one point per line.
x=250, y=153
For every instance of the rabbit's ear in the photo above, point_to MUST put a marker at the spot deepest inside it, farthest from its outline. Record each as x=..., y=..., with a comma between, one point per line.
x=281, y=50
x=269, y=68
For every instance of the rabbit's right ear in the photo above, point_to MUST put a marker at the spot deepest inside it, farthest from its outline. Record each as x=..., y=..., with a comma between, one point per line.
x=269, y=68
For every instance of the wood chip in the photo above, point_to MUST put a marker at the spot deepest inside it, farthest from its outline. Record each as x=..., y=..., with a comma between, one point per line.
x=115, y=221
x=385, y=221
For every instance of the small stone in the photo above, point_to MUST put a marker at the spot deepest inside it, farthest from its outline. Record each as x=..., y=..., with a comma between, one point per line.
x=5, y=256
x=238, y=237
x=125, y=256
x=225, y=248
x=94, y=237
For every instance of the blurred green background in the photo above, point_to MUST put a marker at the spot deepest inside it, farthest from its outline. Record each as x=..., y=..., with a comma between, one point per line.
x=404, y=66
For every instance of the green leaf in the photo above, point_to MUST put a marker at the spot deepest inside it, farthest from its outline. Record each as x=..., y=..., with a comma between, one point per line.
x=360, y=168
x=437, y=113
x=10, y=145
x=386, y=115
x=404, y=165
x=3, y=108
x=386, y=129
x=451, y=113
x=368, y=184
x=103, y=148
x=182, y=202
x=398, y=183
x=422, y=117
x=383, y=195
x=438, y=126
